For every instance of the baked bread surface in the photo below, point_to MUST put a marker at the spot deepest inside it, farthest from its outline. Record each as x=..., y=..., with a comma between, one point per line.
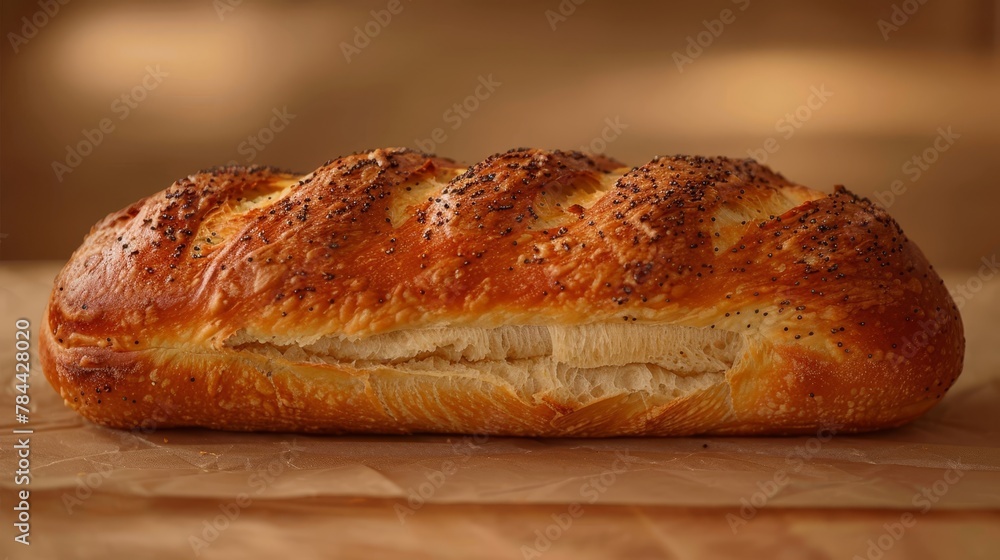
x=538, y=293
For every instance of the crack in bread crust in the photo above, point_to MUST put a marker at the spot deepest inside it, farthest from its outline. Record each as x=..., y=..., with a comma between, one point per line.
x=572, y=365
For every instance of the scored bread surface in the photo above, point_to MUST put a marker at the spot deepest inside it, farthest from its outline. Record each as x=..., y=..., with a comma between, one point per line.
x=538, y=293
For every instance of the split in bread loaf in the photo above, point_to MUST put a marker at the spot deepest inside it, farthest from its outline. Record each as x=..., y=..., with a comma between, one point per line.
x=538, y=293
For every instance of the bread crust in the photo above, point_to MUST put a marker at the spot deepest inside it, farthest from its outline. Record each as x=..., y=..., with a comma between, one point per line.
x=842, y=320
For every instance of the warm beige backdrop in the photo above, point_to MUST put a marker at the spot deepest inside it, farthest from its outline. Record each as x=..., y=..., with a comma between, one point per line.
x=202, y=77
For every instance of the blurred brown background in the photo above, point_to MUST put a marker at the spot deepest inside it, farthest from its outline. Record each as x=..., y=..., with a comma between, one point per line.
x=848, y=92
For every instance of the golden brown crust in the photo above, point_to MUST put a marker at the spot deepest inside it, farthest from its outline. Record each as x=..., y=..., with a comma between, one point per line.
x=844, y=320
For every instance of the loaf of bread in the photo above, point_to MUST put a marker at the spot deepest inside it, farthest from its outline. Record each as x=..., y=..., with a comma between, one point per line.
x=536, y=293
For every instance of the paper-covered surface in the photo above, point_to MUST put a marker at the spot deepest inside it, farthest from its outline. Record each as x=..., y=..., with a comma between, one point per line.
x=929, y=489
